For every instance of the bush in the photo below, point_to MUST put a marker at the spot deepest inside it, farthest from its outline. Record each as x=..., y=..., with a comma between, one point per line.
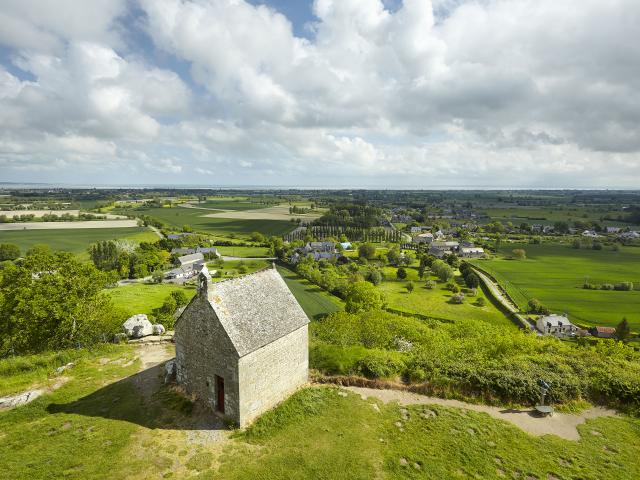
x=481, y=302
x=458, y=298
x=624, y=286
x=380, y=364
x=430, y=284
x=401, y=273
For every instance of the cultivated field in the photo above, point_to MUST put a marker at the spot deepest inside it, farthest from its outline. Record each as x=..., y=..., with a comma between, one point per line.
x=281, y=212
x=75, y=241
x=222, y=227
x=38, y=213
x=554, y=274
x=104, y=224
x=315, y=302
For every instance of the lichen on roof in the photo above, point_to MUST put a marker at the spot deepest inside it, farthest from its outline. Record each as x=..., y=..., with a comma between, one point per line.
x=256, y=309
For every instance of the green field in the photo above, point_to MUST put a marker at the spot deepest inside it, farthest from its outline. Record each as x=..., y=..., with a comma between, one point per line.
x=74, y=240
x=229, y=228
x=549, y=215
x=230, y=203
x=436, y=303
x=314, y=301
x=99, y=425
x=244, y=252
x=143, y=298
x=554, y=274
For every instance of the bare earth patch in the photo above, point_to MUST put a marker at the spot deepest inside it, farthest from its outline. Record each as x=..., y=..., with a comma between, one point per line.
x=69, y=225
x=561, y=424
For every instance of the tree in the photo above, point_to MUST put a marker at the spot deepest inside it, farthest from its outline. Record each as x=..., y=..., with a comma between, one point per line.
x=472, y=280
x=52, y=302
x=257, y=237
x=519, y=253
x=375, y=277
x=421, y=270
x=393, y=256
x=623, y=330
x=9, y=251
x=409, y=286
x=366, y=250
x=443, y=271
x=180, y=297
x=401, y=273
x=577, y=244
x=362, y=296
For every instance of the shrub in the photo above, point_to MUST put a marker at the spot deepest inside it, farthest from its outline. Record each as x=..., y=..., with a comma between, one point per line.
x=410, y=286
x=481, y=302
x=430, y=284
x=624, y=286
x=458, y=298
x=606, y=286
x=401, y=273
x=380, y=364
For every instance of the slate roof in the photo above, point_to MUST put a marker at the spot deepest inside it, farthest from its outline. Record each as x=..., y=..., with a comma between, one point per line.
x=187, y=259
x=256, y=309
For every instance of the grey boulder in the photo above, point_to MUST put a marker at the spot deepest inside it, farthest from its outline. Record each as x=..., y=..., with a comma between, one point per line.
x=158, y=329
x=138, y=326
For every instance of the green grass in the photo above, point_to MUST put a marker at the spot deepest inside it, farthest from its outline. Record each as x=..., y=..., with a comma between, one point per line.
x=436, y=302
x=143, y=298
x=550, y=215
x=315, y=302
x=223, y=227
x=231, y=203
x=99, y=426
x=554, y=274
x=74, y=240
x=245, y=252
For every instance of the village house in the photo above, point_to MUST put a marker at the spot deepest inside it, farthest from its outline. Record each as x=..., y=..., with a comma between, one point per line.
x=471, y=252
x=603, y=332
x=185, y=272
x=178, y=236
x=191, y=259
x=325, y=247
x=423, y=238
x=613, y=229
x=590, y=233
x=242, y=345
x=192, y=250
x=557, y=325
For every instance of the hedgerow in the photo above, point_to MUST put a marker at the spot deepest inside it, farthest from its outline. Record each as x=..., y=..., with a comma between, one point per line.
x=476, y=359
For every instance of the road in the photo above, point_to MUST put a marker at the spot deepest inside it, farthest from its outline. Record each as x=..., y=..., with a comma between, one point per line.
x=502, y=297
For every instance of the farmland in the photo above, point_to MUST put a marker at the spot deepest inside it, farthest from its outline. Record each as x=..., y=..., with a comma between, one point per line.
x=176, y=217
x=314, y=301
x=244, y=252
x=554, y=274
x=76, y=240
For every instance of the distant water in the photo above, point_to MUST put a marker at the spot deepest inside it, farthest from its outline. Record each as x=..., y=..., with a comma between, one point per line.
x=22, y=186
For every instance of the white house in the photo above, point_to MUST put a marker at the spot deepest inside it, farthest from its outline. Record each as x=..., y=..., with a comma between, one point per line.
x=471, y=252
x=423, y=238
x=558, y=325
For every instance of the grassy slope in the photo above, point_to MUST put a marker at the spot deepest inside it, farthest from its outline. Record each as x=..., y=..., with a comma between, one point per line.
x=74, y=240
x=554, y=274
x=435, y=302
x=179, y=216
x=314, y=301
x=143, y=298
x=315, y=434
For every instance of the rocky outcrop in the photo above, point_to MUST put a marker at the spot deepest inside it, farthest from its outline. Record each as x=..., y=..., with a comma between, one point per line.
x=138, y=326
x=158, y=329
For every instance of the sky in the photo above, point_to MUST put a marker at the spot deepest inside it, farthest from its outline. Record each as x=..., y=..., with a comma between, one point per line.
x=370, y=93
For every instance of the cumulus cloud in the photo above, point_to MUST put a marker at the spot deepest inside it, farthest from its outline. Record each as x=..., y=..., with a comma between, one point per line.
x=442, y=92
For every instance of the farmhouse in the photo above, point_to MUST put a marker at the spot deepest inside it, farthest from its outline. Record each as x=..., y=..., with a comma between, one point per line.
x=557, y=325
x=471, y=252
x=191, y=259
x=603, y=332
x=423, y=238
x=242, y=344
x=190, y=251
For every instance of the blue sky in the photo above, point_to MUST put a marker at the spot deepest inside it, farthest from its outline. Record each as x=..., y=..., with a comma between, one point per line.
x=390, y=93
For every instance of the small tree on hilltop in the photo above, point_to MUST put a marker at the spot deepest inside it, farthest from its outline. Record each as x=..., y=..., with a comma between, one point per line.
x=623, y=330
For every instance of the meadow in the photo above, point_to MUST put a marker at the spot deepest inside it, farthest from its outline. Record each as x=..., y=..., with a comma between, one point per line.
x=244, y=252
x=176, y=217
x=142, y=297
x=436, y=302
x=74, y=240
x=320, y=432
x=549, y=215
x=554, y=274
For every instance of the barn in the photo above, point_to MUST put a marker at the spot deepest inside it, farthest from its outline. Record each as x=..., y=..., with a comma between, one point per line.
x=242, y=344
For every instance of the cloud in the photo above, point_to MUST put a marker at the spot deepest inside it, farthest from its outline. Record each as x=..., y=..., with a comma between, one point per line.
x=449, y=92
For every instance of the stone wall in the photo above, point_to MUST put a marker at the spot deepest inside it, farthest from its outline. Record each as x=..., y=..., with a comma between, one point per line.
x=203, y=350
x=270, y=374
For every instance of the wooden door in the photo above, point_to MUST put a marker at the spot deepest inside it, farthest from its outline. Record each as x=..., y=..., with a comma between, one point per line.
x=220, y=394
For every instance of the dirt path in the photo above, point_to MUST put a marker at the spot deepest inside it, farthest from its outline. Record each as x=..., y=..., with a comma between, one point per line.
x=561, y=424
